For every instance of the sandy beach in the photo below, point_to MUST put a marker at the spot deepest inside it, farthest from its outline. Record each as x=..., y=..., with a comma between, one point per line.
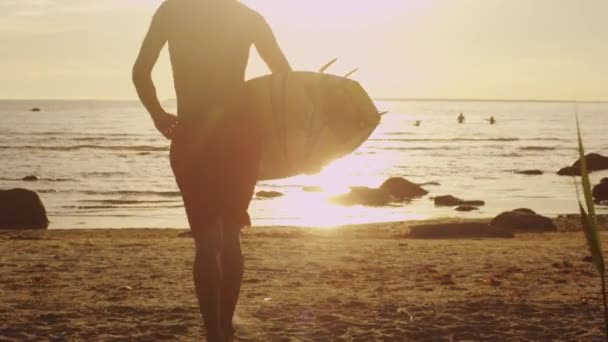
x=357, y=283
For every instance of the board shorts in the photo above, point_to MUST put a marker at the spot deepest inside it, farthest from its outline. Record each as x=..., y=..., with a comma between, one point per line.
x=216, y=168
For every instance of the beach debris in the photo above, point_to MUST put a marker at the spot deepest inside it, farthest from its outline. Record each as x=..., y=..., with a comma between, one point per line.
x=269, y=194
x=30, y=178
x=22, y=209
x=451, y=201
x=523, y=220
x=447, y=279
x=493, y=281
x=126, y=288
x=529, y=172
x=35, y=109
x=457, y=231
x=595, y=162
x=402, y=189
x=25, y=237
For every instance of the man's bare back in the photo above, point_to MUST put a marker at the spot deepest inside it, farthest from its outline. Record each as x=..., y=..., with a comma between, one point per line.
x=209, y=43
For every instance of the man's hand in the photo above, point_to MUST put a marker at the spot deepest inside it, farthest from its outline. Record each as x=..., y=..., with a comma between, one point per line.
x=165, y=123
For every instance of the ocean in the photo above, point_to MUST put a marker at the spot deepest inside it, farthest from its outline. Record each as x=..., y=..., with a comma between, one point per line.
x=102, y=165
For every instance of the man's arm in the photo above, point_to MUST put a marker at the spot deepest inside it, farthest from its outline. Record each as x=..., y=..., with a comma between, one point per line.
x=152, y=45
x=268, y=48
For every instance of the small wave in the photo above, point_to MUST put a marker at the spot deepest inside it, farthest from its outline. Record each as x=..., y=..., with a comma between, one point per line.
x=549, y=139
x=419, y=148
x=6, y=179
x=134, y=193
x=126, y=202
x=89, y=138
x=69, y=134
x=140, y=148
x=538, y=148
x=104, y=207
x=103, y=174
x=399, y=133
x=448, y=139
x=506, y=155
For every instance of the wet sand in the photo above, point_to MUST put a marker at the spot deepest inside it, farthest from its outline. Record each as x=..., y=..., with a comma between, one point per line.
x=363, y=283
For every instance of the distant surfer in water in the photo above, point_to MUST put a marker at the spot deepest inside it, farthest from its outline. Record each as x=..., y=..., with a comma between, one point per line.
x=491, y=120
x=460, y=118
x=214, y=149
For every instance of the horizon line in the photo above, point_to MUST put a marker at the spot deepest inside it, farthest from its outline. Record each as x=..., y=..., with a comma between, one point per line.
x=383, y=99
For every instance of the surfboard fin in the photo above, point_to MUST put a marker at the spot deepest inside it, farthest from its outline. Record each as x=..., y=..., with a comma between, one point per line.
x=383, y=113
x=326, y=66
x=350, y=73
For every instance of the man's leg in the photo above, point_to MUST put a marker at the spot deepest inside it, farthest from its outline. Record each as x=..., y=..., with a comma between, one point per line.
x=232, y=275
x=207, y=273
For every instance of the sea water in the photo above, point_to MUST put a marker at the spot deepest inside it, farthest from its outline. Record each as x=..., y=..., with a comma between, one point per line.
x=101, y=164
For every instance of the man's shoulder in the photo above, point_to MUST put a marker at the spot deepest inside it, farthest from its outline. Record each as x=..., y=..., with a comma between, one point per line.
x=164, y=7
x=248, y=12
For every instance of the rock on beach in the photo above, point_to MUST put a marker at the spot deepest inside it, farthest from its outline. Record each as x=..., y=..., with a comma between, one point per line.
x=22, y=209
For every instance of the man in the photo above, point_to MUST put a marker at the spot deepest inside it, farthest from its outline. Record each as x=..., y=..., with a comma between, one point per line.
x=214, y=148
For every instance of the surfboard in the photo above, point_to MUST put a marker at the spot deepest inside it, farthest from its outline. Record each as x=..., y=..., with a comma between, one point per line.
x=308, y=120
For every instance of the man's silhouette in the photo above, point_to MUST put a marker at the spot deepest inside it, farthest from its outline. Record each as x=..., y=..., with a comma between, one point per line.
x=214, y=148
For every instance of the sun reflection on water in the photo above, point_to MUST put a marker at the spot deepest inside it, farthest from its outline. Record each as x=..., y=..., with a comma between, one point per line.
x=314, y=209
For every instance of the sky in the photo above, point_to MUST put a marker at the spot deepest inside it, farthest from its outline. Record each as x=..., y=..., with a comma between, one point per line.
x=468, y=49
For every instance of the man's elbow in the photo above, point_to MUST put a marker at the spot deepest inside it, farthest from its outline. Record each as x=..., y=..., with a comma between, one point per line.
x=139, y=76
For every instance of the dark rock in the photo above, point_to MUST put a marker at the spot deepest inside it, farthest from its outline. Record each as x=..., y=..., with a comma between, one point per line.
x=458, y=230
x=30, y=178
x=600, y=192
x=570, y=171
x=529, y=172
x=22, y=209
x=269, y=194
x=466, y=208
x=525, y=211
x=451, y=201
x=447, y=201
x=402, y=189
x=595, y=162
x=35, y=109
x=523, y=221
x=364, y=196
x=312, y=189
x=604, y=181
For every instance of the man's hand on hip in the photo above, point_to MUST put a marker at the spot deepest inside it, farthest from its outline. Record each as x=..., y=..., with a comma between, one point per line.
x=165, y=123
